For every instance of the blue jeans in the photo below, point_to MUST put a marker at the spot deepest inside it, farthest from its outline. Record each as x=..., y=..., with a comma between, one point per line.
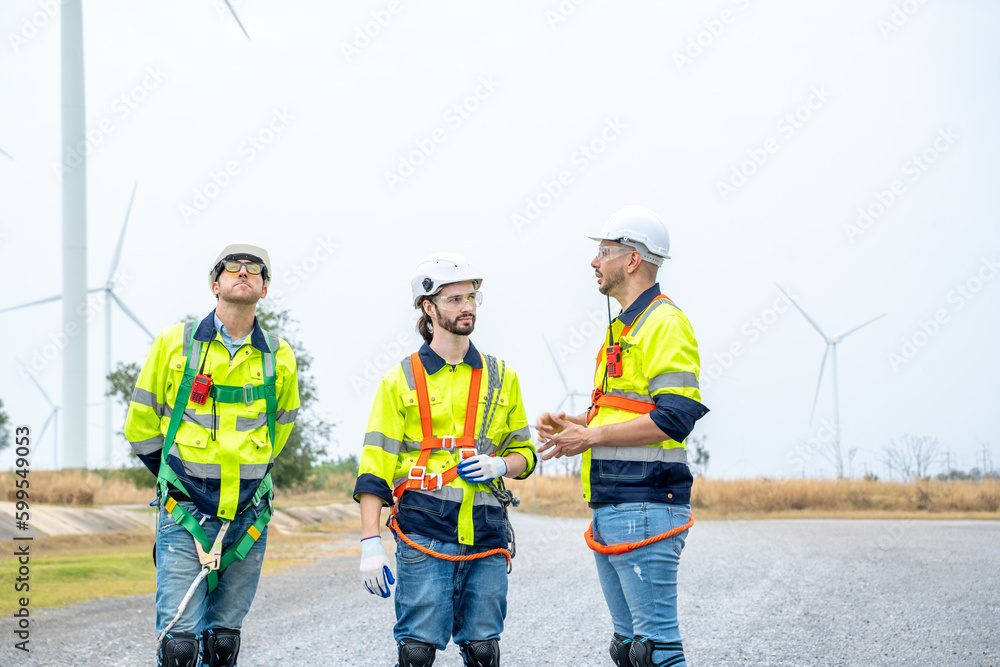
x=437, y=599
x=177, y=565
x=640, y=586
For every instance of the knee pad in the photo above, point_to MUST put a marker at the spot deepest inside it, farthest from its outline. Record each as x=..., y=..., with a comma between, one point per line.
x=415, y=654
x=641, y=652
x=619, y=650
x=485, y=653
x=221, y=646
x=178, y=649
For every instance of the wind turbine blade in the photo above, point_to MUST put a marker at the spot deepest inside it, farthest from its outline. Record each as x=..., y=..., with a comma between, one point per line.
x=238, y=22
x=844, y=335
x=33, y=303
x=799, y=308
x=561, y=403
x=35, y=382
x=556, y=364
x=121, y=237
x=46, y=425
x=819, y=383
x=6, y=153
x=131, y=315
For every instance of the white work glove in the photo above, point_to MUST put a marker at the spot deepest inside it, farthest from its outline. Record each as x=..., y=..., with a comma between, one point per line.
x=482, y=468
x=376, y=575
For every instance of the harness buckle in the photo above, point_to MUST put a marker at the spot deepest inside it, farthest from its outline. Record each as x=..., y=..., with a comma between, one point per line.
x=448, y=442
x=213, y=558
x=434, y=476
x=417, y=474
x=248, y=393
x=466, y=453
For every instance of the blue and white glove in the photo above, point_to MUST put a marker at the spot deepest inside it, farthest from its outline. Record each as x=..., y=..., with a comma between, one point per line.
x=482, y=468
x=376, y=575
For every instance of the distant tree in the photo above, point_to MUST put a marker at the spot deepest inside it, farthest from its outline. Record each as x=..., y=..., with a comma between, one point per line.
x=699, y=461
x=5, y=439
x=910, y=456
x=307, y=443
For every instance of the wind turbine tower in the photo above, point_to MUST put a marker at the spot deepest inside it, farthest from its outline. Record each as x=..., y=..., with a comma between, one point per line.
x=831, y=345
x=74, y=238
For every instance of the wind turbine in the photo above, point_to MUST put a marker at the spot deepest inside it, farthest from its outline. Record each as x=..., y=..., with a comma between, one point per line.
x=109, y=295
x=73, y=123
x=831, y=345
x=6, y=153
x=238, y=21
x=571, y=394
x=53, y=417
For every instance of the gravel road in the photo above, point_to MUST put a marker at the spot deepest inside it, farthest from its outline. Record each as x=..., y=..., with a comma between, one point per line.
x=797, y=593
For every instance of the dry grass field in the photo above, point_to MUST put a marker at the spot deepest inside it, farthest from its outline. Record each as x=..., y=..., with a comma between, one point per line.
x=562, y=496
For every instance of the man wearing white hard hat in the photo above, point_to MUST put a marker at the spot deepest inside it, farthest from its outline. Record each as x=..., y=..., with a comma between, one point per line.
x=635, y=474
x=214, y=405
x=446, y=427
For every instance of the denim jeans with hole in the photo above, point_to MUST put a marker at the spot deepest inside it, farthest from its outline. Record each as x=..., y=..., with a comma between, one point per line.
x=177, y=566
x=437, y=599
x=640, y=586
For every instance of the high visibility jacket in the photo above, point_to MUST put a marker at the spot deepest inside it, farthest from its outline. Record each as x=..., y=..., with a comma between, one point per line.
x=660, y=369
x=222, y=450
x=461, y=512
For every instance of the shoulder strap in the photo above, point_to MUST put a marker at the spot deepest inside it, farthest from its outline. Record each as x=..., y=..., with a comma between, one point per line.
x=166, y=474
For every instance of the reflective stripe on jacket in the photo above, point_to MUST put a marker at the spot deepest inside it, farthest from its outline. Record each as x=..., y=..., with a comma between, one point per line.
x=660, y=367
x=460, y=512
x=220, y=474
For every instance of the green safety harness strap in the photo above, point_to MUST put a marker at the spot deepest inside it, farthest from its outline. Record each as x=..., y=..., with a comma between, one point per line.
x=167, y=477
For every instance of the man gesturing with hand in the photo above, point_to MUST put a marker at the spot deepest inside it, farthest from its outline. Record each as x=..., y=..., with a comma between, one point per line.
x=635, y=473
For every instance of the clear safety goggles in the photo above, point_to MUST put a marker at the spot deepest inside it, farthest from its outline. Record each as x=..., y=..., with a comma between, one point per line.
x=234, y=265
x=606, y=252
x=457, y=301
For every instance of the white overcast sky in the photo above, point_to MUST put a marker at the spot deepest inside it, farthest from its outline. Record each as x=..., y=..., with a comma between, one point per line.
x=670, y=96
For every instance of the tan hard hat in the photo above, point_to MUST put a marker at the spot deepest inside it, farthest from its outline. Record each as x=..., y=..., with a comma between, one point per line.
x=241, y=251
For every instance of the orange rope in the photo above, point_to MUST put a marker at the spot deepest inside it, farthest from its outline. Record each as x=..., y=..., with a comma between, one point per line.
x=616, y=549
x=394, y=525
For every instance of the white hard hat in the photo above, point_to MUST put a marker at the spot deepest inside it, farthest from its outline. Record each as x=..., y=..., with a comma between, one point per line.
x=640, y=228
x=438, y=270
x=241, y=251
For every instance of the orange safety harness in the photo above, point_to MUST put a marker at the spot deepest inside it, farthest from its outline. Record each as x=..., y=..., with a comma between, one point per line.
x=418, y=477
x=600, y=399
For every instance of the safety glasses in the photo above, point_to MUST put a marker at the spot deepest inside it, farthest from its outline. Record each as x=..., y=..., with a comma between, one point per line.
x=456, y=301
x=233, y=266
x=606, y=252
